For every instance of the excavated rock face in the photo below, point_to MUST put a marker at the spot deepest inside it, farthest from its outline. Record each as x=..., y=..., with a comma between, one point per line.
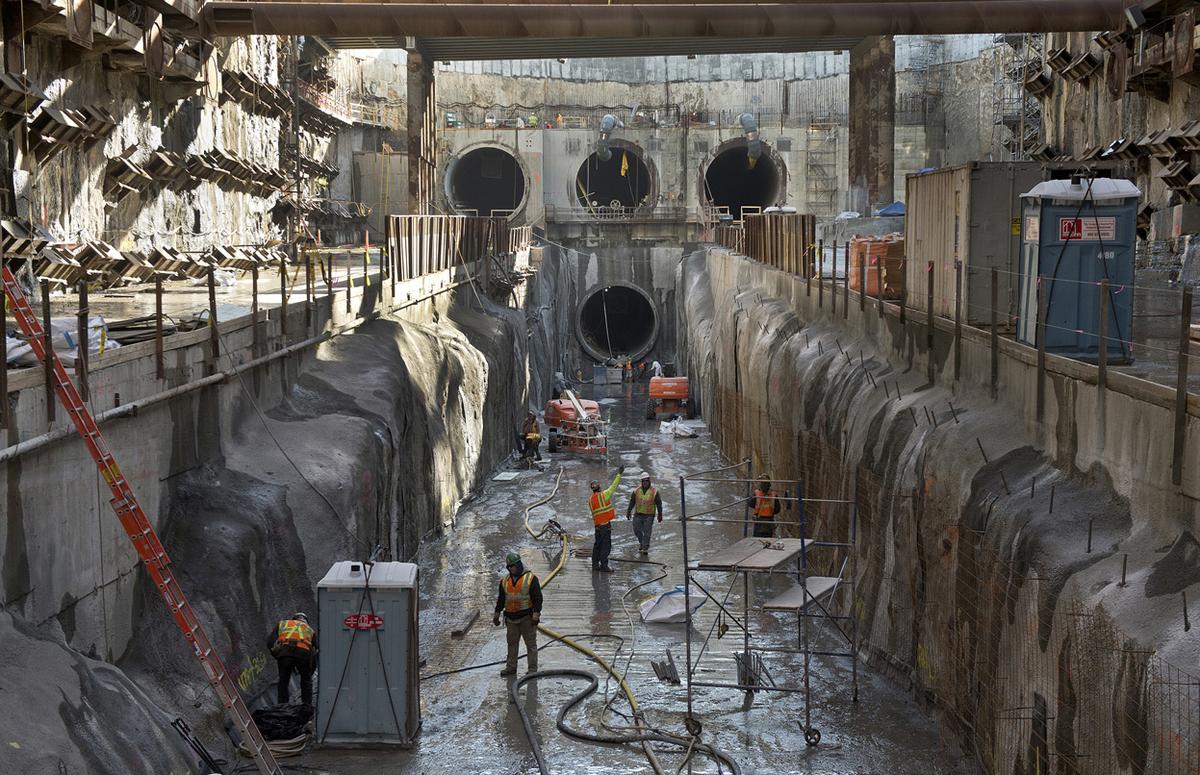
x=65, y=712
x=978, y=577
x=374, y=441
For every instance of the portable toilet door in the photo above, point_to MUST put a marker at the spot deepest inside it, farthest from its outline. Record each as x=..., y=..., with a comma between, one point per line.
x=368, y=683
x=1075, y=234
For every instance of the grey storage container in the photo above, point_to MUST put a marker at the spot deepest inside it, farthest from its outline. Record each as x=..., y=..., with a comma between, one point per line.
x=1077, y=233
x=969, y=214
x=368, y=685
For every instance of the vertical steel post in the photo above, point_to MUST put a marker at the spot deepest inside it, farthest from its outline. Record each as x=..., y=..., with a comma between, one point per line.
x=879, y=284
x=957, y=319
x=160, y=367
x=82, y=344
x=48, y=343
x=1181, y=383
x=1042, y=301
x=846, y=283
x=309, y=288
x=995, y=336
x=862, y=280
x=254, y=332
x=283, y=301
x=820, y=273
x=746, y=587
x=932, y=368
x=1102, y=344
x=214, y=336
x=687, y=592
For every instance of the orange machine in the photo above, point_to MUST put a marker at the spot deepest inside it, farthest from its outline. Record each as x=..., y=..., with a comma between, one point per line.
x=575, y=425
x=668, y=396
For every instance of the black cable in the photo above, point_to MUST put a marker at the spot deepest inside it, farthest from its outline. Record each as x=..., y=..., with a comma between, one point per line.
x=715, y=754
x=547, y=644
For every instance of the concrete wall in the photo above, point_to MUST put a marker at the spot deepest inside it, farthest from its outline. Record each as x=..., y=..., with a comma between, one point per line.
x=990, y=544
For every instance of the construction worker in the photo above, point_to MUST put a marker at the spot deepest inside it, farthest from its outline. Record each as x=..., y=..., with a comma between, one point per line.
x=603, y=514
x=643, y=503
x=766, y=505
x=293, y=643
x=531, y=437
x=520, y=600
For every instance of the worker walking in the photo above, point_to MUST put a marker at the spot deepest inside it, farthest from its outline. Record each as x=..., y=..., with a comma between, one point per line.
x=531, y=437
x=603, y=513
x=766, y=506
x=520, y=600
x=293, y=643
x=643, y=503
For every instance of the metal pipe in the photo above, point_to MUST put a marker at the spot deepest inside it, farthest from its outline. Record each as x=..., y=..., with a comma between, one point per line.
x=692, y=19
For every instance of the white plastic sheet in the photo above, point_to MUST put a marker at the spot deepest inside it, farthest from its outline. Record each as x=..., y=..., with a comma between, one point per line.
x=669, y=606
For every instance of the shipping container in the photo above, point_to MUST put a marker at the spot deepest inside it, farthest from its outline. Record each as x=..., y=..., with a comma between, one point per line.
x=970, y=214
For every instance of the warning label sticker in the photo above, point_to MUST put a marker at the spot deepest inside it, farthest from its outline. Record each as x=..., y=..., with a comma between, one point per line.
x=1087, y=229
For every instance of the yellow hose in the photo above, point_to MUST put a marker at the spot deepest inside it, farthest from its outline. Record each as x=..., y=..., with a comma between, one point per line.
x=562, y=560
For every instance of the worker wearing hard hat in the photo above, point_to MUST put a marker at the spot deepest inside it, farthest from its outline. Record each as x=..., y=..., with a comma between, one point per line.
x=531, y=437
x=603, y=512
x=520, y=600
x=293, y=643
x=643, y=503
x=765, y=503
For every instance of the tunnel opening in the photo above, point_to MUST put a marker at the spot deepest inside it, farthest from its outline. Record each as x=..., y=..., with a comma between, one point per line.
x=617, y=321
x=732, y=180
x=488, y=180
x=615, y=187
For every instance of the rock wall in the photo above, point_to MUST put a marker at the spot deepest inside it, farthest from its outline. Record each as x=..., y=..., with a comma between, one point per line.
x=372, y=439
x=1023, y=579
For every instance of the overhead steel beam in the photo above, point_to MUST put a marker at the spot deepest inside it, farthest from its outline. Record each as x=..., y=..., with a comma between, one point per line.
x=704, y=19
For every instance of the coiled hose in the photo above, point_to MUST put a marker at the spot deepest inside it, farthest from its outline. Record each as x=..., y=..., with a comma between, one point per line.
x=645, y=738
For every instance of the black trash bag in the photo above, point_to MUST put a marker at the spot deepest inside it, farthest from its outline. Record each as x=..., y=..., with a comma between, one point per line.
x=282, y=722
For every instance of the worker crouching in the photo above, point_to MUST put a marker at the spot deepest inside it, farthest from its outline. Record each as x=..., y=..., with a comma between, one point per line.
x=293, y=643
x=520, y=600
x=603, y=512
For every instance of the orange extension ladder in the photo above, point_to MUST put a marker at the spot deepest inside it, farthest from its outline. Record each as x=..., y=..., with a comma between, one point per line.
x=141, y=533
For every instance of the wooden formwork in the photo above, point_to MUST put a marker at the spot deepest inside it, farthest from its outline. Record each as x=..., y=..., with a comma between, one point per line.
x=782, y=240
x=423, y=244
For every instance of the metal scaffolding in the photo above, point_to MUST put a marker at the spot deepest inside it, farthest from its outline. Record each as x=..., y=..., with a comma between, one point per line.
x=813, y=596
x=1016, y=114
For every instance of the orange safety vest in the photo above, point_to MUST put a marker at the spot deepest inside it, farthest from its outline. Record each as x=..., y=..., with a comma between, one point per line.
x=764, y=505
x=644, y=501
x=602, y=509
x=293, y=632
x=516, y=595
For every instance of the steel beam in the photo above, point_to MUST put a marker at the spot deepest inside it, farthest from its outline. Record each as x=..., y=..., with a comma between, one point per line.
x=662, y=19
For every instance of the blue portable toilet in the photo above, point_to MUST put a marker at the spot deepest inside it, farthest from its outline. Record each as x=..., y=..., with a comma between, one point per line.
x=368, y=678
x=1074, y=234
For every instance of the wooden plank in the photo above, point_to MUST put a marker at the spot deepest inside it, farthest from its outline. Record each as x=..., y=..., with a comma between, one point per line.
x=1042, y=299
x=1102, y=344
x=800, y=596
x=957, y=320
x=160, y=369
x=214, y=337
x=820, y=273
x=929, y=320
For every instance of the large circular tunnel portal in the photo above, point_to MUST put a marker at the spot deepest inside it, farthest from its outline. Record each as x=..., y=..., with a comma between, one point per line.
x=486, y=180
x=617, y=321
x=734, y=181
x=621, y=182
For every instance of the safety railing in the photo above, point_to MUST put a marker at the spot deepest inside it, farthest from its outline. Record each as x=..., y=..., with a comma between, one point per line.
x=423, y=244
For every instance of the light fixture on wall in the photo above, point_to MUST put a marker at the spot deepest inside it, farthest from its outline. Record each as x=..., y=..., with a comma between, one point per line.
x=562, y=61
x=1136, y=18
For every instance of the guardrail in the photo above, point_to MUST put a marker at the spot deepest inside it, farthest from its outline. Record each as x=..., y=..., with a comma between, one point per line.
x=423, y=244
x=656, y=214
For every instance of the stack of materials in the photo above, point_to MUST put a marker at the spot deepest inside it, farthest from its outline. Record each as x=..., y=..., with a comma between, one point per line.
x=886, y=252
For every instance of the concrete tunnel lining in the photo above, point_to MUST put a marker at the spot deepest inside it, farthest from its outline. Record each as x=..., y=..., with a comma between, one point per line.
x=486, y=178
x=599, y=183
x=730, y=180
x=632, y=328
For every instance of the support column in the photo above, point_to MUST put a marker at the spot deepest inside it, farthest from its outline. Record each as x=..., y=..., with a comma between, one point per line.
x=421, y=126
x=872, y=123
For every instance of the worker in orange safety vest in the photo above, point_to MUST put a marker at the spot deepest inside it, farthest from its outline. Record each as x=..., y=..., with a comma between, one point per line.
x=765, y=503
x=603, y=512
x=293, y=643
x=520, y=600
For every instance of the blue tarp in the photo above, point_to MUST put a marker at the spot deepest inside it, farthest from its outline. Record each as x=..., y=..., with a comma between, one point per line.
x=895, y=208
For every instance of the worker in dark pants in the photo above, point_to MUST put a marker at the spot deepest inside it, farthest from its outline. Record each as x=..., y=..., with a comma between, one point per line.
x=603, y=513
x=765, y=503
x=520, y=600
x=293, y=643
x=531, y=438
x=643, y=503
